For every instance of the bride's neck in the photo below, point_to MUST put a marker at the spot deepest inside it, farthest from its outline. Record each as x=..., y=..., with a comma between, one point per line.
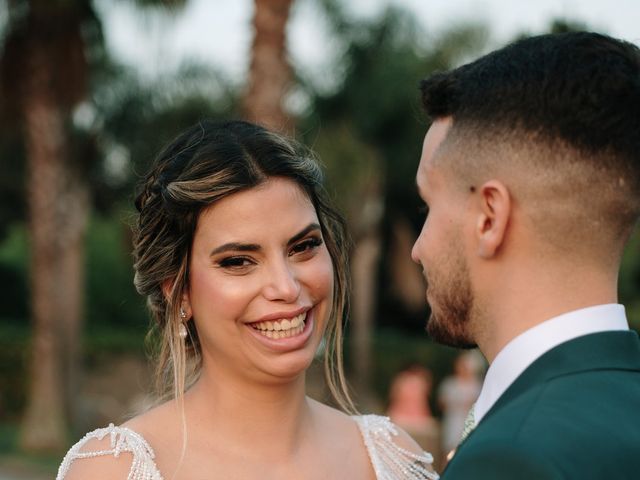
x=269, y=416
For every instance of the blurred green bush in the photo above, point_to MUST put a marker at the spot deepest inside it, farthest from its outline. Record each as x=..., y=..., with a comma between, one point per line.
x=115, y=318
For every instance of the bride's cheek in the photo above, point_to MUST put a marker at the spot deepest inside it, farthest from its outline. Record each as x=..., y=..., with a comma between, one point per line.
x=324, y=286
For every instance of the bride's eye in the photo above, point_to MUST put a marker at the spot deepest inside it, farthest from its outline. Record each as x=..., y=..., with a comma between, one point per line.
x=236, y=262
x=306, y=246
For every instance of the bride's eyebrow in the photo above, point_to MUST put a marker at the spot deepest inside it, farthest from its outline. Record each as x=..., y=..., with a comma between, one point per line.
x=254, y=247
x=304, y=232
x=235, y=247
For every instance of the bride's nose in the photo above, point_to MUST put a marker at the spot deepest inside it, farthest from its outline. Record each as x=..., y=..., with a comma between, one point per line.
x=281, y=283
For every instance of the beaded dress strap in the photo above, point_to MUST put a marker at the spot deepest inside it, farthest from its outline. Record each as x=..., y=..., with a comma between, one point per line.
x=391, y=461
x=122, y=439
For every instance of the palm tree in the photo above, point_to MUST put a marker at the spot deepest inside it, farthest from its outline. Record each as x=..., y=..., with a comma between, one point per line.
x=269, y=71
x=42, y=36
x=45, y=76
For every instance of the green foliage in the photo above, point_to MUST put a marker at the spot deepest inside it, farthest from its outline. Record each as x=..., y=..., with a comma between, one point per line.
x=369, y=129
x=111, y=296
x=629, y=280
x=100, y=342
x=14, y=324
x=16, y=463
x=12, y=192
x=14, y=343
x=8, y=437
x=116, y=317
x=135, y=118
x=14, y=275
x=348, y=162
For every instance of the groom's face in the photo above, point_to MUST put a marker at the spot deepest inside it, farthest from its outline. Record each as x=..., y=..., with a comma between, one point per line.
x=440, y=247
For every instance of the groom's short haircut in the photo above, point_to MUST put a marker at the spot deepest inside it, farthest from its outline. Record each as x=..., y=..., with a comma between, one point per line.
x=559, y=114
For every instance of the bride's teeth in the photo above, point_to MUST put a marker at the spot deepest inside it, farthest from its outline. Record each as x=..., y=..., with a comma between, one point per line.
x=284, y=328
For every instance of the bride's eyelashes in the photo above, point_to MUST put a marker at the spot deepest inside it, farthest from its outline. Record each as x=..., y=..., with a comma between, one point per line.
x=307, y=245
x=235, y=262
x=303, y=249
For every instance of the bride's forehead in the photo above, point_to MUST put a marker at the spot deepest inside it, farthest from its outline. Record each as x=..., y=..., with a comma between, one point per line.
x=280, y=196
x=278, y=205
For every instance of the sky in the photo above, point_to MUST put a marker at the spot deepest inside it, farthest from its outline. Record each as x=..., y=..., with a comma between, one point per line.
x=218, y=32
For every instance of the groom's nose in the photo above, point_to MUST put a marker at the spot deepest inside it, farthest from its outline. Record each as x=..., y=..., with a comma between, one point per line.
x=414, y=252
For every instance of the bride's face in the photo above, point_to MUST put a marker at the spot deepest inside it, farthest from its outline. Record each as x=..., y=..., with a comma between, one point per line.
x=260, y=283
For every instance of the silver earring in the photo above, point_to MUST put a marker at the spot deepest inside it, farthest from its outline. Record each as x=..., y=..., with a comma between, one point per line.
x=182, y=331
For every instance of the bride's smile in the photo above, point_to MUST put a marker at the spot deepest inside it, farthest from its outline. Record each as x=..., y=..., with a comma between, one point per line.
x=260, y=283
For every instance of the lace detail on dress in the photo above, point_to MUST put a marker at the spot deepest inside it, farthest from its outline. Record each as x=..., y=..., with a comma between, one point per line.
x=390, y=461
x=121, y=440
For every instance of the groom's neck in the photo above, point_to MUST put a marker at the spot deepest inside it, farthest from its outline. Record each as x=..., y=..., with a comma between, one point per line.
x=520, y=297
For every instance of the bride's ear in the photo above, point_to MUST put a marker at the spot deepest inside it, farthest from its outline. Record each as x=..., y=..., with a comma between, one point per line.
x=167, y=290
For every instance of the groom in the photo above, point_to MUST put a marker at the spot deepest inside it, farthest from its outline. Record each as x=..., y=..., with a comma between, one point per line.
x=531, y=173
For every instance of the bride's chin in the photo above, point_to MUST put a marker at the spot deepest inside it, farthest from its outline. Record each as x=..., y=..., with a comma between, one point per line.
x=293, y=367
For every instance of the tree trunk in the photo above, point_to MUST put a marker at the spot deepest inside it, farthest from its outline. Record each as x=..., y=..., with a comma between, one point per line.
x=58, y=201
x=269, y=72
x=44, y=423
x=364, y=270
x=364, y=265
x=73, y=213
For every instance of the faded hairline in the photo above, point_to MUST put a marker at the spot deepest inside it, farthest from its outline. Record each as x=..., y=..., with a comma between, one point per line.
x=573, y=204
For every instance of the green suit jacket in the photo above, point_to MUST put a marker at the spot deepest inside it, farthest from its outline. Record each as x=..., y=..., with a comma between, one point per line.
x=573, y=414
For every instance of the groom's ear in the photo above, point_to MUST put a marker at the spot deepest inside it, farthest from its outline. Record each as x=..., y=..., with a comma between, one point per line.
x=493, y=213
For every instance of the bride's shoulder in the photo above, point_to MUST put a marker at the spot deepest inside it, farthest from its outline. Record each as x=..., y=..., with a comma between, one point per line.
x=111, y=452
x=381, y=429
x=115, y=452
x=393, y=453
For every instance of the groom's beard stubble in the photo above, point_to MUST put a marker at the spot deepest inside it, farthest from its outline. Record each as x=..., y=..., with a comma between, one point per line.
x=450, y=297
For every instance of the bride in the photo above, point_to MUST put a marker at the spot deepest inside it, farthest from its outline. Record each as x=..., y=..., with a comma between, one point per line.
x=242, y=261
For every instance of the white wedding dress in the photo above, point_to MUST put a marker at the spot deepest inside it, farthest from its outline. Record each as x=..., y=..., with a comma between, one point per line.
x=390, y=461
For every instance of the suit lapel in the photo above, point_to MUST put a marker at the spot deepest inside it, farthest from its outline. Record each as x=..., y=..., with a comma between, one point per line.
x=619, y=350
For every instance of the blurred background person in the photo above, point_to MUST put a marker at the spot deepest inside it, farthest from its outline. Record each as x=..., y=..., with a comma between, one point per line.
x=409, y=406
x=456, y=395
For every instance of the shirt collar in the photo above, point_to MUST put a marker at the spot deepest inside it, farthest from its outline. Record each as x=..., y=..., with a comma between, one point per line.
x=523, y=350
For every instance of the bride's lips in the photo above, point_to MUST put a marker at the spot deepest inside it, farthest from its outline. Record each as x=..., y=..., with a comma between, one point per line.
x=295, y=334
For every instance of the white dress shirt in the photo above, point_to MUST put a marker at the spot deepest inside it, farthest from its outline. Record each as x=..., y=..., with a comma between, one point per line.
x=527, y=347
